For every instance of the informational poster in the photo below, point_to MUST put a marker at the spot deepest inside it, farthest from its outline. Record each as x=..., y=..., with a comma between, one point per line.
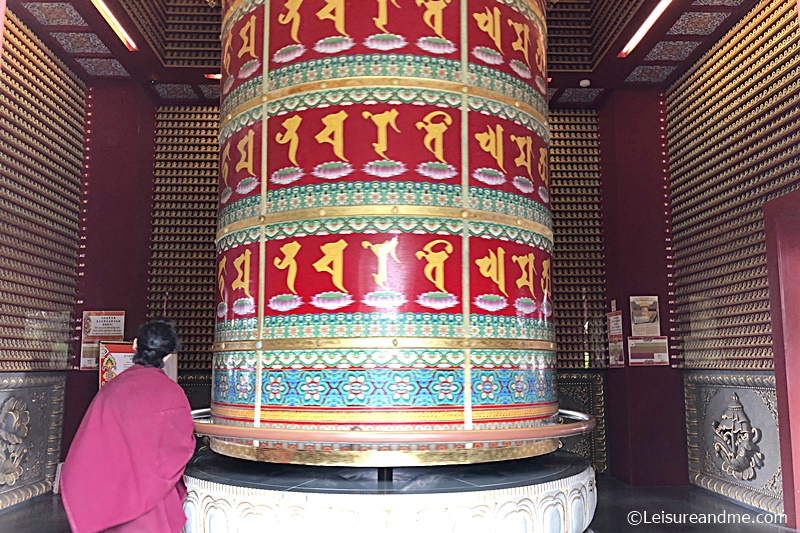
x=645, y=321
x=115, y=358
x=99, y=326
x=616, y=350
x=648, y=351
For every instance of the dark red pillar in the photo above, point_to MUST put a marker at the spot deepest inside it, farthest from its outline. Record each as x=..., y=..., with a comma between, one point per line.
x=781, y=221
x=117, y=194
x=646, y=420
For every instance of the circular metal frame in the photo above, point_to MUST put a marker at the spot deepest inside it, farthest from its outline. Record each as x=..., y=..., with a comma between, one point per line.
x=583, y=423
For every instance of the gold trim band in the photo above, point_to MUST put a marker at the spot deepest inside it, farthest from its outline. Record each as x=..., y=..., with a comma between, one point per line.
x=366, y=416
x=583, y=424
x=383, y=343
x=384, y=458
x=453, y=213
x=310, y=88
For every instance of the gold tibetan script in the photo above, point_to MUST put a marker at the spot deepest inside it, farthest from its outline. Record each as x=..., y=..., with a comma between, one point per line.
x=292, y=16
x=383, y=251
x=332, y=262
x=289, y=251
x=434, y=269
x=434, y=132
x=493, y=267
x=290, y=137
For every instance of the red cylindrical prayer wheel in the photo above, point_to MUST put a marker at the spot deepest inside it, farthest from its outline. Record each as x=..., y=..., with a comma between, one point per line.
x=384, y=232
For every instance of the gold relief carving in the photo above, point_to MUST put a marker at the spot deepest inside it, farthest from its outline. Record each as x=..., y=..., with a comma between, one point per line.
x=699, y=389
x=14, y=419
x=736, y=442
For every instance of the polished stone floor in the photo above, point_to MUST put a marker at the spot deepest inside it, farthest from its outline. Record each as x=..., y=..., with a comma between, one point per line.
x=616, y=503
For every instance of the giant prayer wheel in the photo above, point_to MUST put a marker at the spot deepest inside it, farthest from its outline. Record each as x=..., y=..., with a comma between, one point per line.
x=384, y=233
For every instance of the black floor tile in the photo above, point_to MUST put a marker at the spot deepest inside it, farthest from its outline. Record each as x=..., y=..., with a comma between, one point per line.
x=616, y=500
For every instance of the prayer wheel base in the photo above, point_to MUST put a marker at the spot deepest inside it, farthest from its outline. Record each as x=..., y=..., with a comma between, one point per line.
x=548, y=494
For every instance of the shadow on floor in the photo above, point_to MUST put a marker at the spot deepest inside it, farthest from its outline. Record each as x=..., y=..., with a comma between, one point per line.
x=616, y=501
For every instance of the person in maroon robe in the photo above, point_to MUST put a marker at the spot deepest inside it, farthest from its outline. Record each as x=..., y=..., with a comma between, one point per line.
x=124, y=470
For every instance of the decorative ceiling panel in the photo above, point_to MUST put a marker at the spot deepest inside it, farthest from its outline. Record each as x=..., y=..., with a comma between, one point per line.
x=650, y=73
x=582, y=96
x=81, y=43
x=211, y=92
x=729, y=3
x=182, y=33
x=697, y=23
x=55, y=13
x=579, y=32
x=672, y=50
x=100, y=66
x=176, y=91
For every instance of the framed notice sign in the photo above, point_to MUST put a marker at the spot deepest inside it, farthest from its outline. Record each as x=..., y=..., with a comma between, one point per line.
x=616, y=351
x=645, y=321
x=99, y=326
x=115, y=358
x=648, y=351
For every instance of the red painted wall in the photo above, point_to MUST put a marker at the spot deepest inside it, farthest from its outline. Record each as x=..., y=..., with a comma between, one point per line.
x=645, y=407
x=115, y=223
x=781, y=220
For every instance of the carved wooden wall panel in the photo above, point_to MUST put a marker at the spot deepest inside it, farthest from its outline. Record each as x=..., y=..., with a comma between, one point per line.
x=41, y=158
x=182, y=264
x=733, y=144
x=31, y=408
x=578, y=256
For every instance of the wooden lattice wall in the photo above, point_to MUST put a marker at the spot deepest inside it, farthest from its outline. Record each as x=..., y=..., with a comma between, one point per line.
x=41, y=159
x=578, y=257
x=733, y=144
x=184, y=227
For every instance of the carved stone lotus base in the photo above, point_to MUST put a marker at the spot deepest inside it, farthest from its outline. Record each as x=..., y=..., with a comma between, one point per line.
x=550, y=494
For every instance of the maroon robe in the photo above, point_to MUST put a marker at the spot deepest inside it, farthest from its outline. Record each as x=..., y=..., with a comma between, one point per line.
x=124, y=470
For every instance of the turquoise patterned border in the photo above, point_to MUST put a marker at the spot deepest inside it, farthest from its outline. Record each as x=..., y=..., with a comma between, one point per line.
x=395, y=358
x=363, y=194
x=239, y=329
x=506, y=203
x=539, y=359
x=522, y=236
x=238, y=96
x=360, y=325
x=497, y=109
x=360, y=65
x=497, y=81
x=242, y=120
x=245, y=208
x=363, y=95
x=239, y=238
x=511, y=327
x=239, y=360
x=336, y=226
